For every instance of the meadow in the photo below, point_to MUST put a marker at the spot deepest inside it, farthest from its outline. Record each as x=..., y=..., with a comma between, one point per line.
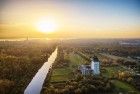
x=66, y=73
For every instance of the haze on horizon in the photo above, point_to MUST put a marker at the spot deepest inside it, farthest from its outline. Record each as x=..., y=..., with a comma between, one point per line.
x=74, y=18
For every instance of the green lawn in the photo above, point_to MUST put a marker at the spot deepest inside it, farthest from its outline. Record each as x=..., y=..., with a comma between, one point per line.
x=124, y=87
x=120, y=86
x=65, y=73
x=61, y=74
x=118, y=57
x=112, y=70
x=76, y=60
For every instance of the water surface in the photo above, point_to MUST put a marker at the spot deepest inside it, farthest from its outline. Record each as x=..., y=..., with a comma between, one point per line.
x=35, y=86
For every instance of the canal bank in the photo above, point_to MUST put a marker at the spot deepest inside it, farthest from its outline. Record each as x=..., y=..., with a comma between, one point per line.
x=35, y=86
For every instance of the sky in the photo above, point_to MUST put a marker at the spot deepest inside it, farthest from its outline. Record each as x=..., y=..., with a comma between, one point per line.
x=74, y=18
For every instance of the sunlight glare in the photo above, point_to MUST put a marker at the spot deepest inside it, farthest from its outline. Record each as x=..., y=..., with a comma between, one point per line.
x=46, y=25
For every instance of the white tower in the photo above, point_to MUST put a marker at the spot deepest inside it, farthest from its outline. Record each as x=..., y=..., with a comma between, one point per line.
x=95, y=66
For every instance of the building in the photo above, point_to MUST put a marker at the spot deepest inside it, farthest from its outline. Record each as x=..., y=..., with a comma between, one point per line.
x=86, y=69
x=92, y=69
x=95, y=65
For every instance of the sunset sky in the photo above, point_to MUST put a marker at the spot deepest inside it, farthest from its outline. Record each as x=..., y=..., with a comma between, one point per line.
x=72, y=18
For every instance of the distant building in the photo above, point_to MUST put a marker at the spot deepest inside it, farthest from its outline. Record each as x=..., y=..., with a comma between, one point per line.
x=93, y=69
x=86, y=69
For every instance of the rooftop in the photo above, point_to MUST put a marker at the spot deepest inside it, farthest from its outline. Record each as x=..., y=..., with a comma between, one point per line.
x=95, y=59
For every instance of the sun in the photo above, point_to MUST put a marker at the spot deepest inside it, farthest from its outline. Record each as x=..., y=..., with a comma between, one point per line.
x=46, y=25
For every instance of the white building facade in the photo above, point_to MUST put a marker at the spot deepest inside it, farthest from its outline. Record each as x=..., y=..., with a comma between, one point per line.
x=85, y=69
x=92, y=69
x=95, y=66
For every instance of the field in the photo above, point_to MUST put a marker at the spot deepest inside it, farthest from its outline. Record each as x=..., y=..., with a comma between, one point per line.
x=118, y=57
x=120, y=86
x=61, y=74
x=66, y=73
x=110, y=71
x=124, y=87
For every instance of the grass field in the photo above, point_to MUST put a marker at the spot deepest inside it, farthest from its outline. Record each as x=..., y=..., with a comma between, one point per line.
x=76, y=60
x=118, y=57
x=61, y=74
x=120, y=86
x=65, y=73
x=125, y=87
x=111, y=70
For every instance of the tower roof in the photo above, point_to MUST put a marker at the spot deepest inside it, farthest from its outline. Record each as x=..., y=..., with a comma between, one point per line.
x=95, y=59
